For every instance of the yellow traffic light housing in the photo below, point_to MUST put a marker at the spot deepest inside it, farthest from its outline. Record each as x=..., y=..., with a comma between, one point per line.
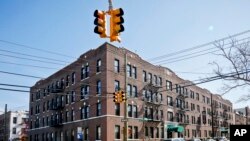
x=116, y=21
x=100, y=22
x=123, y=96
x=116, y=97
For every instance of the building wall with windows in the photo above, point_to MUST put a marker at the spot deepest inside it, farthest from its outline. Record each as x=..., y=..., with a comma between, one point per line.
x=160, y=104
x=242, y=116
x=16, y=125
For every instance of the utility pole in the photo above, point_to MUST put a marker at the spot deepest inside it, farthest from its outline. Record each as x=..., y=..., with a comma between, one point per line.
x=5, y=123
x=125, y=128
x=212, y=113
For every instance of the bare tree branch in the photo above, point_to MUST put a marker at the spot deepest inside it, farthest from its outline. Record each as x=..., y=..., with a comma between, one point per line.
x=237, y=54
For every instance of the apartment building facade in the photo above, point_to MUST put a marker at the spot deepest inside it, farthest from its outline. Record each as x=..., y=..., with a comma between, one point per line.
x=77, y=101
x=242, y=116
x=16, y=125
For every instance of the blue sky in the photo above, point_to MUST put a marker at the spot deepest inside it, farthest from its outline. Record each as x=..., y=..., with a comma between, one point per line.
x=152, y=28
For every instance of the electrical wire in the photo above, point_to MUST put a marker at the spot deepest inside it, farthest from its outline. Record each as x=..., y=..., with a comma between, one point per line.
x=196, y=47
x=33, y=48
x=18, y=74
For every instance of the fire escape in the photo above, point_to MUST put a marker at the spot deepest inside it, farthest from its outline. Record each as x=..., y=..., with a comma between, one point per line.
x=57, y=104
x=153, y=111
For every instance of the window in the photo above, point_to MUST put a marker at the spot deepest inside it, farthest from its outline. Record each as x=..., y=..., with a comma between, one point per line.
x=144, y=76
x=67, y=80
x=82, y=73
x=48, y=105
x=169, y=85
x=14, y=120
x=169, y=101
x=72, y=135
x=130, y=135
x=98, y=65
x=129, y=71
x=117, y=132
x=170, y=116
x=73, y=78
x=150, y=77
x=198, y=108
x=98, y=109
x=155, y=80
x=157, y=132
x=146, y=131
x=98, y=87
x=116, y=66
x=135, y=111
x=129, y=110
x=14, y=131
x=160, y=81
x=192, y=94
x=98, y=133
x=134, y=75
x=136, y=132
x=204, y=99
x=161, y=114
x=86, y=134
x=73, y=96
x=72, y=115
x=66, y=116
x=87, y=70
x=129, y=90
x=67, y=98
x=84, y=92
x=117, y=85
x=152, y=132
x=117, y=109
x=162, y=132
x=82, y=112
x=86, y=110
x=197, y=96
x=134, y=91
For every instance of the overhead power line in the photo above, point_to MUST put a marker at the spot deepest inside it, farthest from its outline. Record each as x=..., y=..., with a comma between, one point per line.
x=14, y=90
x=19, y=74
x=34, y=56
x=196, y=47
x=11, y=85
x=33, y=48
x=36, y=60
x=198, y=53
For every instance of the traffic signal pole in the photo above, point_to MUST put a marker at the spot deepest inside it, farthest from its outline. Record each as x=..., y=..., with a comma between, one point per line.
x=125, y=128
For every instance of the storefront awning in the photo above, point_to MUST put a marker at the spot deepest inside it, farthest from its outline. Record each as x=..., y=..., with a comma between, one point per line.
x=175, y=129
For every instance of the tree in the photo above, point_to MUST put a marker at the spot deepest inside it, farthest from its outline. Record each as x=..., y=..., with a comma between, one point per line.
x=237, y=54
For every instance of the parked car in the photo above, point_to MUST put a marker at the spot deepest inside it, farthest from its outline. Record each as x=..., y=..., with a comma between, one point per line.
x=174, y=139
x=195, y=139
x=220, y=138
x=210, y=140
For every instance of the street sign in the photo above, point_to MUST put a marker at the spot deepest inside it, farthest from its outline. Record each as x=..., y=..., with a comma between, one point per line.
x=79, y=133
x=79, y=136
x=124, y=120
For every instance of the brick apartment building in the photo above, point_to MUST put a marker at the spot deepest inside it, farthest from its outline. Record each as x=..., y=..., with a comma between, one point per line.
x=79, y=96
x=242, y=116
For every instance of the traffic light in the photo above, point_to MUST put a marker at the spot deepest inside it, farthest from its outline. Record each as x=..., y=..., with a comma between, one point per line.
x=100, y=22
x=116, y=26
x=116, y=97
x=123, y=96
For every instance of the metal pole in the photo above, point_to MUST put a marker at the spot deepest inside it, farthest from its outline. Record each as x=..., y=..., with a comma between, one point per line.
x=110, y=5
x=5, y=123
x=125, y=128
x=212, y=113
